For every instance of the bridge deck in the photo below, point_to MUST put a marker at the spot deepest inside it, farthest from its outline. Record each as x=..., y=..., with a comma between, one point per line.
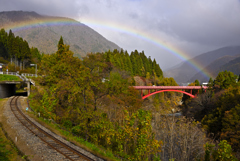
x=168, y=87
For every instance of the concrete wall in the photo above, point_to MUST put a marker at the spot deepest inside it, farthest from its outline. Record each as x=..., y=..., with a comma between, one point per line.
x=7, y=90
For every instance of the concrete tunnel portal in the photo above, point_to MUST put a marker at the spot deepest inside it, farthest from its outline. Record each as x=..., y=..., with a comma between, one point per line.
x=8, y=88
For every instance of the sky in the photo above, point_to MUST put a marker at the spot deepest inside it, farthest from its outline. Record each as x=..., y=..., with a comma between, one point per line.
x=170, y=31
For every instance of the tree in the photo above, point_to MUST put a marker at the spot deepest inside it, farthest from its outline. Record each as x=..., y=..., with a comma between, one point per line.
x=200, y=106
x=181, y=137
x=11, y=38
x=223, y=152
x=197, y=83
x=96, y=64
x=231, y=127
x=223, y=116
x=103, y=112
x=60, y=46
x=210, y=83
x=225, y=79
x=3, y=44
x=157, y=69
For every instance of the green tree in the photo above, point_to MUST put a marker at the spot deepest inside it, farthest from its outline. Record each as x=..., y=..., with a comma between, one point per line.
x=11, y=38
x=197, y=83
x=223, y=116
x=224, y=152
x=231, y=127
x=97, y=66
x=60, y=46
x=210, y=83
x=157, y=69
x=225, y=79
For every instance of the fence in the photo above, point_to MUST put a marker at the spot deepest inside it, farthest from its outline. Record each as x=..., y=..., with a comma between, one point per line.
x=29, y=75
x=22, y=76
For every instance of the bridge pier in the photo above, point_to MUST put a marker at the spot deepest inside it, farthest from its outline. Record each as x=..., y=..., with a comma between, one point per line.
x=28, y=88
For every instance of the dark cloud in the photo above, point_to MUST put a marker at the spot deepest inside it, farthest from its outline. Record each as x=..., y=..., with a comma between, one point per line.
x=47, y=7
x=215, y=23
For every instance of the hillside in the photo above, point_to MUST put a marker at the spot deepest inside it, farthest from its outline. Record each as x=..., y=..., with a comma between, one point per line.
x=217, y=66
x=44, y=32
x=232, y=66
x=186, y=71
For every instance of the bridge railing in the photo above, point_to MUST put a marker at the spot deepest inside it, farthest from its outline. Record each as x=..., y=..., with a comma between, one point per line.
x=9, y=73
x=29, y=75
x=23, y=76
x=13, y=73
x=168, y=87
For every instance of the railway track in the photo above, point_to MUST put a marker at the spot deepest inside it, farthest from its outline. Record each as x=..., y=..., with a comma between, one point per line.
x=67, y=151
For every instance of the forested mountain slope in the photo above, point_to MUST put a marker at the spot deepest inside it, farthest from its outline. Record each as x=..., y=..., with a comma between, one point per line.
x=186, y=71
x=44, y=32
x=233, y=66
x=217, y=66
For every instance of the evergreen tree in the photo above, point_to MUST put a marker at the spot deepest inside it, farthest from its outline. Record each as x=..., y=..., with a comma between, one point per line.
x=197, y=83
x=225, y=79
x=60, y=46
x=128, y=63
x=11, y=38
x=134, y=63
x=140, y=68
x=3, y=44
x=156, y=68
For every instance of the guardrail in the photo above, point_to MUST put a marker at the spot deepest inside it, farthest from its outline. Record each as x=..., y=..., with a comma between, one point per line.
x=13, y=73
x=22, y=76
x=9, y=73
x=29, y=75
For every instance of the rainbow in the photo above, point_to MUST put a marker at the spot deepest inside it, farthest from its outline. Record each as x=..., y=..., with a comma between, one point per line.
x=152, y=39
x=58, y=21
x=49, y=21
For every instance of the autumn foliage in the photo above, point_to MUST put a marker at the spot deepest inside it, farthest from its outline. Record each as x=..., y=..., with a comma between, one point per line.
x=93, y=99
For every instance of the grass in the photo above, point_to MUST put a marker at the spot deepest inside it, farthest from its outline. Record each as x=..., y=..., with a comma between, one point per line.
x=100, y=152
x=8, y=150
x=9, y=78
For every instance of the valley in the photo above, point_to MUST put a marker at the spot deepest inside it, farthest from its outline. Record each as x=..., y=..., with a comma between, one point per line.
x=87, y=94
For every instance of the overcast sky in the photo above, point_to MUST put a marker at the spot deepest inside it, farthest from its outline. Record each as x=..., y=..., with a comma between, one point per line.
x=190, y=26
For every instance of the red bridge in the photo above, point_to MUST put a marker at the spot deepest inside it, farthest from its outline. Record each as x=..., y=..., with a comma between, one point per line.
x=158, y=89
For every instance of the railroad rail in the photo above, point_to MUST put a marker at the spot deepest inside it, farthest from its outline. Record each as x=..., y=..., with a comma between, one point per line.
x=69, y=152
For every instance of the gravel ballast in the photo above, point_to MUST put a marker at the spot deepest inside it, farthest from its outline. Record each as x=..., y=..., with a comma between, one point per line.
x=29, y=144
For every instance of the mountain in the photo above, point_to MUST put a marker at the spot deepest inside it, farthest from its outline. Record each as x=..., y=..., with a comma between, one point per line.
x=232, y=66
x=44, y=32
x=187, y=70
x=215, y=67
